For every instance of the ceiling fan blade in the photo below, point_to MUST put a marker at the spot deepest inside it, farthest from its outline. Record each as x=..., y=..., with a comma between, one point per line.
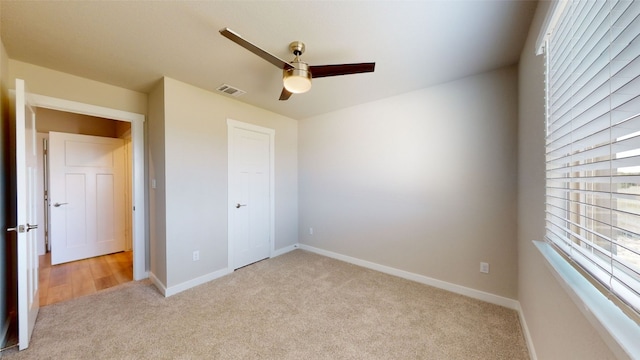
x=318, y=71
x=285, y=94
x=236, y=38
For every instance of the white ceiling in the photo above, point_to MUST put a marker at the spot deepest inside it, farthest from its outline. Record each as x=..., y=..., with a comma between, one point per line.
x=132, y=44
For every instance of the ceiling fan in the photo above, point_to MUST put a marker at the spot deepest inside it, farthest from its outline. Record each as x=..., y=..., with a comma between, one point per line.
x=297, y=74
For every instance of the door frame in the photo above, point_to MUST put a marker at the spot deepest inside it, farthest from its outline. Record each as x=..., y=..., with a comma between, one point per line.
x=231, y=126
x=137, y=163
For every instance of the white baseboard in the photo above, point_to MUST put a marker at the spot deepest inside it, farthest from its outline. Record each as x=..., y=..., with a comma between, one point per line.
x=527, y=334
x=284, y=250
x=168, y=291
x=172, y=290
x=458, y=289
x=159, y=285
x=462, y=290
x=144, y=275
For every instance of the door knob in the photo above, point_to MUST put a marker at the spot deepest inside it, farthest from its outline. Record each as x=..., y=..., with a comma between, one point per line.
x=239, y=205
x=59, y=204
x=23, y=228
x=19, y=229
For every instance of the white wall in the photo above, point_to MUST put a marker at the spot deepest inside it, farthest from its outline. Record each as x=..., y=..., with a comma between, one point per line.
x=557, y=327
x=195, y=175
x=423, y=182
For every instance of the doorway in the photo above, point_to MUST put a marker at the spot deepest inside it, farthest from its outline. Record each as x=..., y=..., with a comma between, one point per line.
x=82, y=131
x=138, y=209
x=57, y=131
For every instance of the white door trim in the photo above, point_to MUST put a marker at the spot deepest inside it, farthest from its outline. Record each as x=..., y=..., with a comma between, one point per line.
x=231, y=125
x=138, y=163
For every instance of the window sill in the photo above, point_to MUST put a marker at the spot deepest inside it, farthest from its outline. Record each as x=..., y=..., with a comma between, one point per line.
x=616, y=328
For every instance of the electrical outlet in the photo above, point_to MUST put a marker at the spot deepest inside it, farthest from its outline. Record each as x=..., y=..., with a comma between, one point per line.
x=484, y=267
x=310, y=231
x=196, y=255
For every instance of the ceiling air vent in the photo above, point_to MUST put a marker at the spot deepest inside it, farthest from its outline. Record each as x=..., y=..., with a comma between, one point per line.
x=230, y=90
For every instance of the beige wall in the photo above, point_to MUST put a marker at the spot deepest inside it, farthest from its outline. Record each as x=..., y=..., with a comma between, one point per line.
x=423, y=182
x=43, y=81
x=195, y=176
x=557, y=327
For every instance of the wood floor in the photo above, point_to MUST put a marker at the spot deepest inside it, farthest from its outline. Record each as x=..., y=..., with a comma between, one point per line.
x=71, y=280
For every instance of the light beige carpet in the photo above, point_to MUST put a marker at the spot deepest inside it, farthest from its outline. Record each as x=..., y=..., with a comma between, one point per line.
x=296, y=306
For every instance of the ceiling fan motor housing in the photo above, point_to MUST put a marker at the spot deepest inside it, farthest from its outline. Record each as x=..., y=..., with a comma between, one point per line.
x=298, y=79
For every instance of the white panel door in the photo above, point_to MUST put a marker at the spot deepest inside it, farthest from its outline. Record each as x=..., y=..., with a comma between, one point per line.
x=26, y=175
x=250, y=193
x=87, y=199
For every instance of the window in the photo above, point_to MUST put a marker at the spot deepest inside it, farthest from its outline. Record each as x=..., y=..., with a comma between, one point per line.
x=593, y=141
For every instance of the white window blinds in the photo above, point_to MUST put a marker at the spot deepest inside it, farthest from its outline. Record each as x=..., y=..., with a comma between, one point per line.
x=593, y=141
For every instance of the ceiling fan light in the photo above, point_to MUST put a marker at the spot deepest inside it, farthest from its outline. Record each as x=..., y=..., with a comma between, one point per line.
x=297, y=81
